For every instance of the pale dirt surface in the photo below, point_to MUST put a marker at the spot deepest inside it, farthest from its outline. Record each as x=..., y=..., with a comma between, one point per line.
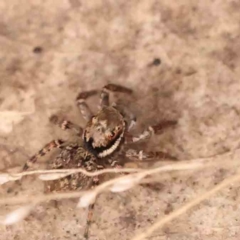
x=51, y=50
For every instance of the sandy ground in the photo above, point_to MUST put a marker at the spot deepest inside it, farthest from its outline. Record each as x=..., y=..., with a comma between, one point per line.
x=51, y=50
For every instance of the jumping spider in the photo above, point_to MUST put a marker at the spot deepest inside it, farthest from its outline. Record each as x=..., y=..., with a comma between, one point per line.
x=102, y=140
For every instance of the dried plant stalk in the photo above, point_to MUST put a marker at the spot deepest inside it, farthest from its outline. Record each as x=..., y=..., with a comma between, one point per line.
x=106, y=185
x=161, y=222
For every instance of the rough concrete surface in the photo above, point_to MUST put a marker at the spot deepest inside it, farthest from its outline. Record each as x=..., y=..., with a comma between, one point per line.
x=53, y=49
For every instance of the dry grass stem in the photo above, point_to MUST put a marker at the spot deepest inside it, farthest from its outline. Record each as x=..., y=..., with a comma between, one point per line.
x=139, y=175
x=123, y=183
x=182, y=165
x=162, y=221
x=43, y=174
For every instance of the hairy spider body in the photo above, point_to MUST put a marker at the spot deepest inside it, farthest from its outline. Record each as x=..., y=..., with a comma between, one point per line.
x=72, y=156
x=103, y=137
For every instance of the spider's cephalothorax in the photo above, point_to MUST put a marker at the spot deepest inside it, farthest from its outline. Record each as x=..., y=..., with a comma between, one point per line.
x=104, y=133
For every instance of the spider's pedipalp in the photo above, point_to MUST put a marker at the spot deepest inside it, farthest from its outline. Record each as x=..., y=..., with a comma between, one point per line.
x=132, y=123
x=129, y=117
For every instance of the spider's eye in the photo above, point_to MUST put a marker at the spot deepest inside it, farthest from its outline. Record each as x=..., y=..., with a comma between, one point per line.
x=117, y=129
x=110, y=137
x=113, y=133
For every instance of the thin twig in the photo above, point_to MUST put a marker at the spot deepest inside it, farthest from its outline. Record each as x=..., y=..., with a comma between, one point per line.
x=162, y=221
x=207, y=162
x=64, y=172
x=77, y=170
x=41, y=198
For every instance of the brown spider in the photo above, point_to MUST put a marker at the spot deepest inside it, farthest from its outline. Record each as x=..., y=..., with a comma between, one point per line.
x=103, y=139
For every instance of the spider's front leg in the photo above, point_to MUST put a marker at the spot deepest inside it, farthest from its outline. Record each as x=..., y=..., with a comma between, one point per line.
x=47, y=148
x=66, y=125
x=81, y=103
x=104, y=98
x=148, y=156
x=150, y=131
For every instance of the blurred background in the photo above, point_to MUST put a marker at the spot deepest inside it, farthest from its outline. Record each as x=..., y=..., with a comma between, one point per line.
x=180, y=58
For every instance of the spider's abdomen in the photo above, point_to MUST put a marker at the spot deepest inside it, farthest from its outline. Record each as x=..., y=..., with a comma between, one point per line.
x=72, y=156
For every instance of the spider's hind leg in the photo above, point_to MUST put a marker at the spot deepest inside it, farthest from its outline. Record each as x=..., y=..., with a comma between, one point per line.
x=47, y=148
x=95, y=182
x=89, y=220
